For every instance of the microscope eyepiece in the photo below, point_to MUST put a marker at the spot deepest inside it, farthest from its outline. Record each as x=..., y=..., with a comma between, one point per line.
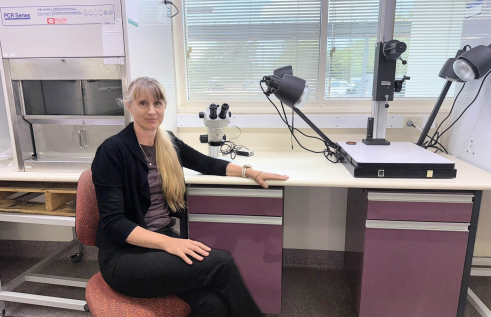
x=213, y=111
x=223, y=111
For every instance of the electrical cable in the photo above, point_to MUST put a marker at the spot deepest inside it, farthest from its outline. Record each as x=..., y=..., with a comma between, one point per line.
x=436, y=134
x=229, y=147
x=293, y=123
x=171, y=3
x=286, y=122
x=289, y=127
x=328, y=152
x=470, y=104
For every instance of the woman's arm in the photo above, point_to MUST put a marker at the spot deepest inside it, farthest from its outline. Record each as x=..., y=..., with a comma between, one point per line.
x=181, y=247
x=210, y=166
x=197, y=161
x=107, y=176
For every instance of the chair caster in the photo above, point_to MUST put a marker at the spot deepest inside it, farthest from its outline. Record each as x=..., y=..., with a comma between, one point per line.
x=86, y=308
x=77, y=257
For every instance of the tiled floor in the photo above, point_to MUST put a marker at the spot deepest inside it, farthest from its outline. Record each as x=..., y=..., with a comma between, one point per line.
x=306, y=292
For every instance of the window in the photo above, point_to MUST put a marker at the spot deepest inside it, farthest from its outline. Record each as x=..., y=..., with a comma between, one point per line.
x=228, y=45
x=231, y=44
x=431, y=38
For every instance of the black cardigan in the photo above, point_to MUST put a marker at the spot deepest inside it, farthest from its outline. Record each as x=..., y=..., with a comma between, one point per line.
x=120, y=176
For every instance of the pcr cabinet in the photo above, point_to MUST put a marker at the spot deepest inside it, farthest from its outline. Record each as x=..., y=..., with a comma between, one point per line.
x=248, y=223
x=406, y=251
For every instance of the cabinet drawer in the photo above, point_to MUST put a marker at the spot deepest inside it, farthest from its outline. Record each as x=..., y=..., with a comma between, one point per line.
x=257, y=250
x=435, y=207
x=235, y=201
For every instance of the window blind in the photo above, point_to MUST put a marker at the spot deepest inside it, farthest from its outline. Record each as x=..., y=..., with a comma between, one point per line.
x=231, y=44
x=431, y=30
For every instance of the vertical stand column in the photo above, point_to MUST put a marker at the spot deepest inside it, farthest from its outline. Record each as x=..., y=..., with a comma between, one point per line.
x=377, y=123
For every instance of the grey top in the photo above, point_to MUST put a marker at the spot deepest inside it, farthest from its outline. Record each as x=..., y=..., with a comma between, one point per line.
x=157, y=215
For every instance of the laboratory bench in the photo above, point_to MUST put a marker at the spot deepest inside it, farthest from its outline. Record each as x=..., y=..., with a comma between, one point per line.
x=409, y=242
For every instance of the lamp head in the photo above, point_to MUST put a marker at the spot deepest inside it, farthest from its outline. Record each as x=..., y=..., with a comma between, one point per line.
x=474, y=63
x=290, y=90
x=447, y=72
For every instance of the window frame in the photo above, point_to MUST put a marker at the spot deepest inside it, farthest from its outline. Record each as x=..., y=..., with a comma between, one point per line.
x=406, y=105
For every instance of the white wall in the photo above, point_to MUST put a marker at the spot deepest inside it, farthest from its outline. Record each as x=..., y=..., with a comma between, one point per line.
x=151, y=53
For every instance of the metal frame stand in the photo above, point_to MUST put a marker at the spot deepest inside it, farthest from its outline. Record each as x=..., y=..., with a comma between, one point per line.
x=377, y=124
x=8, y=295
x=483, y=269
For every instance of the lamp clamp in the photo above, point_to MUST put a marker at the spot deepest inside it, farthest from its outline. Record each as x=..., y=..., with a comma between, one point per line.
x=398, y=83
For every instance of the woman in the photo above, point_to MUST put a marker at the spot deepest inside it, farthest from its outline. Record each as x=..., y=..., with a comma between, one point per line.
x=139, y=184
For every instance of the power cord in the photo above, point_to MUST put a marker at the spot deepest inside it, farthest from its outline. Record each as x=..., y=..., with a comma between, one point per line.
x=330, y=153
x=171, y=3
x=439, y=135
x=434, y=139
x=229, y=147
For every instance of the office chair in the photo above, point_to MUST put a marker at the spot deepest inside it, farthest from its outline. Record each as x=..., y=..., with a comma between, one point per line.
x=102, y=300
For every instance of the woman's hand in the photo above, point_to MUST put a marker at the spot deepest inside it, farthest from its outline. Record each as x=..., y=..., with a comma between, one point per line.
x=184, y=247
x=258, y=176
x=261, y=177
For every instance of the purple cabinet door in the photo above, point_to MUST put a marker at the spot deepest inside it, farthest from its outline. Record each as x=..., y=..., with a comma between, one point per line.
x=257, y=250
x=409, y=273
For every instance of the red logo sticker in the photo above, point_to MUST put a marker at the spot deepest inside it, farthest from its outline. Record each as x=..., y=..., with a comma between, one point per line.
x=57, y=20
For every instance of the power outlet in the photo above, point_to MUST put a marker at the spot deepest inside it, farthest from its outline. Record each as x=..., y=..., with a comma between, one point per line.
x=417, y=121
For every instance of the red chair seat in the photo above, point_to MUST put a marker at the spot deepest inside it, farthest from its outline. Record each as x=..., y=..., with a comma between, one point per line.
x=103, y=301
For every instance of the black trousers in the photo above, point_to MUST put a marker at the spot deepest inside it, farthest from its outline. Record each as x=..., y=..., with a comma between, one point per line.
x=212, y=287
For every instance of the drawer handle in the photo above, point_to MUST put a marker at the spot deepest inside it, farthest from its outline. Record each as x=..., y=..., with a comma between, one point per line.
x=421, y=198
x=414, y=225
x=258, y=220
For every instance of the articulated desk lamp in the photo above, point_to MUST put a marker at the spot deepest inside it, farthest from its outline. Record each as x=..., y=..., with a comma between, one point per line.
x=467, y=65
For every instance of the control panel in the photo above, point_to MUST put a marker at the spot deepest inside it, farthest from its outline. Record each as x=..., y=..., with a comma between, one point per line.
x=43, y=15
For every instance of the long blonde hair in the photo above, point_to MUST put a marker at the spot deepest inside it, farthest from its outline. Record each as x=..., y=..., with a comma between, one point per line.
x=170, y=169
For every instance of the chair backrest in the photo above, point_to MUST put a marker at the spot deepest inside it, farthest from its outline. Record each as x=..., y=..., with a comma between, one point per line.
x=87, y=212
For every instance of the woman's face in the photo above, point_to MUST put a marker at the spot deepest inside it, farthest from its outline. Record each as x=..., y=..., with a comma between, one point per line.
x=148, y=113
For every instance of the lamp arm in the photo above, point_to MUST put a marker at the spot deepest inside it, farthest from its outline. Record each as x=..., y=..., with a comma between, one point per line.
x=433, y=114
x=316, y=129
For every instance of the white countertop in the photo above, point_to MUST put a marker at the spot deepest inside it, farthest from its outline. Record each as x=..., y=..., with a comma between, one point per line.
x=304, y=169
